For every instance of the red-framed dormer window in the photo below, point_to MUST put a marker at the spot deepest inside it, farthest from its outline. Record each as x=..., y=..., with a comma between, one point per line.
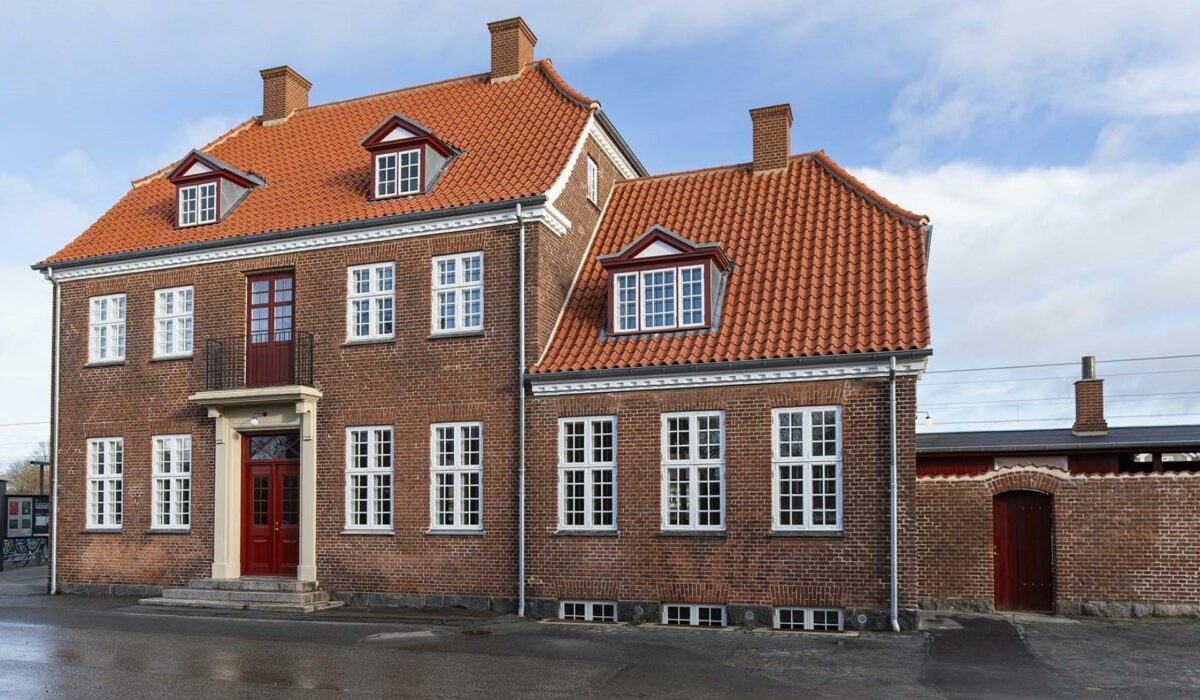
x=207, y=190
x=662, y=282
x=406, y=158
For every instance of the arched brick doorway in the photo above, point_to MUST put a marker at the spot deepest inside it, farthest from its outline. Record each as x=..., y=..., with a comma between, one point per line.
x=1023, y=550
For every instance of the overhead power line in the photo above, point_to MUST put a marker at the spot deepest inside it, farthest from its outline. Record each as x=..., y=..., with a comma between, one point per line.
x=1060, y=364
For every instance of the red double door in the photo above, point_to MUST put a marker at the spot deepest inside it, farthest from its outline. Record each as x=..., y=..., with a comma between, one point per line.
x=270, y=504
x=1023, y=550
x=270, y=303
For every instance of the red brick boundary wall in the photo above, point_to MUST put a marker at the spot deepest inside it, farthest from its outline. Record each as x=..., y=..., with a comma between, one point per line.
x=1124, y=544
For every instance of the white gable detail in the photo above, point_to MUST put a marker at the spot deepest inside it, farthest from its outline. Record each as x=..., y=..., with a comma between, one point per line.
x=197, y=168
x=398, y=134
x=658, y=248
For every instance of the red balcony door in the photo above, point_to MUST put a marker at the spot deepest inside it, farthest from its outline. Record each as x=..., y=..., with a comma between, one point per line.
x=271, y=505
x=1023, y=550
x=270, y=303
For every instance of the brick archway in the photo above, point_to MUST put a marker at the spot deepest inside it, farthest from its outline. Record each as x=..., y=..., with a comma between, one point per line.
x=1019, y=479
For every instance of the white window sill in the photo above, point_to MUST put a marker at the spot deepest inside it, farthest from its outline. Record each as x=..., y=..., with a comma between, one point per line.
x=381, y=340
x=380, y=532
x=474, y=332
x=103, y=530
x=805, y=533
x=164, y=358
x=181, y=530
x=453, y=532
x=585, y=532
x=670, y=532
x=105, y=363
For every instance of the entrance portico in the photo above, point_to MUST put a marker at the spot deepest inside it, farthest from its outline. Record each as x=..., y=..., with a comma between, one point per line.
x=238, y=415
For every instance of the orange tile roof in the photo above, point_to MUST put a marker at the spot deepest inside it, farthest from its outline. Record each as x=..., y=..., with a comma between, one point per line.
x=515, y=137
x=822, y=265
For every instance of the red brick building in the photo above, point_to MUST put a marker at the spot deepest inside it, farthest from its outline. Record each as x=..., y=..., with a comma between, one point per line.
x=451, y=345
x=1084, y=520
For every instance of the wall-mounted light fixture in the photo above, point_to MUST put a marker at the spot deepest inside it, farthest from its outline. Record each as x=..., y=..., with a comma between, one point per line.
x=928, y=421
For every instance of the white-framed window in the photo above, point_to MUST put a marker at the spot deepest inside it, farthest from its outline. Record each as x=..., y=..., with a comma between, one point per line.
x=198, y=204
x=809, y=619
x=173, y=309
x=456, y=476
x=694, y=615
x=659, y=299
x=107, y=324
x=458, y=293
x=398, y=173
x=371, y=301
x=587, y=610
x=172, y=457
x=693, y=471
x=106, y=463
x=806, y=445
x=587, y=457
x=593, y=187
x=369, y=478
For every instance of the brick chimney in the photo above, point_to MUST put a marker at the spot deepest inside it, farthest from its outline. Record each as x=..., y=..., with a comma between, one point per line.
x=512, y=48
x=772, y=137
x=284, y=92
x=1089, y=402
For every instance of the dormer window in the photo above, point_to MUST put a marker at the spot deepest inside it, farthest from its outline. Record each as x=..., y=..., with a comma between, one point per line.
x=408, y=159
x=663, y=282
x=207, y=189
x=397, y=173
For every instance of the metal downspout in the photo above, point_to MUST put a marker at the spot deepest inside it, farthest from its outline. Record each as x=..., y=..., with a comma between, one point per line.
x=895, y=612
x=54, y=430
x=521, y=421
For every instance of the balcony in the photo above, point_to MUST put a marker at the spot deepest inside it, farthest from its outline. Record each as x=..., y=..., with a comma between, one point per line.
x=258, y=361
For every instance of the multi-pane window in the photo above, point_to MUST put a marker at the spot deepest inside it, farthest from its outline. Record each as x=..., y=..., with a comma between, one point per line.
x=587, y=611
x=593, y=189
x=370, y=301
x=810, y=619
x=173, y=322
x=456, y=476
x=807, y=466
x=198, y=204
x=385, y=175
x=693, y=471
x=659, y=299
x=586, y=479
x=172, y=457
x=694, y=615
x=398, y=173
x=106, y=462
x=458, y=293
x=107, y=324
x=369, y=478
x=410, y=171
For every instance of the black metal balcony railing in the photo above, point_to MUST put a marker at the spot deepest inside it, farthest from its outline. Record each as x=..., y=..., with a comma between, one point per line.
x=282, y=358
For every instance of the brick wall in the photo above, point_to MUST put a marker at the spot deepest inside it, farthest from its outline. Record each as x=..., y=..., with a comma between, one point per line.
x=746, y=566
x=1118, y=540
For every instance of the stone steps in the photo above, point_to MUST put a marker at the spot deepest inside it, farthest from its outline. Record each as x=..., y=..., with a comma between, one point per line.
x=249, y=593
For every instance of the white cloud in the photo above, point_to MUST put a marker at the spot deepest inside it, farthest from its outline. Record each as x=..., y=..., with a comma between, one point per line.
x=1050, y=264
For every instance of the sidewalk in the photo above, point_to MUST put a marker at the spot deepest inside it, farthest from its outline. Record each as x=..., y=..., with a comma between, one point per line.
x=24, y=580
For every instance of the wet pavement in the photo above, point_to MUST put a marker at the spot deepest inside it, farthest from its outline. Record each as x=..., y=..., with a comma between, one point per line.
x=69, y=646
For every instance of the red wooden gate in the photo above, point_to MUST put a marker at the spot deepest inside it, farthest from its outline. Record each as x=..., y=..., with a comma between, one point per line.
x=1023, y=550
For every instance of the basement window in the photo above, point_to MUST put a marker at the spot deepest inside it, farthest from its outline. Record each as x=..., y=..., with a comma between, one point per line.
x=587, y=611
x=694, y=615
x=809, y=619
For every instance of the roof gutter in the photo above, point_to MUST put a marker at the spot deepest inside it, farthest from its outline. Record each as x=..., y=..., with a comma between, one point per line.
x=296, y=232
x=733, y=365
x=621, y=144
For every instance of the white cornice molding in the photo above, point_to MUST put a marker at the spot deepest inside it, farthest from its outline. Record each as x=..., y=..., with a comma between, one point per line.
x=548, y=385
x=610, y=149
x=594, y=130
x=550, y=217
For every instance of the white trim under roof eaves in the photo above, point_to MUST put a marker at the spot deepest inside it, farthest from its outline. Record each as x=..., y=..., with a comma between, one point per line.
x=596, y=131
x=547, y=215
x=548, y=385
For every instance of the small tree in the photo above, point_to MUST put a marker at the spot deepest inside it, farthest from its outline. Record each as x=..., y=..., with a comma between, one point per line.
x=23, y=474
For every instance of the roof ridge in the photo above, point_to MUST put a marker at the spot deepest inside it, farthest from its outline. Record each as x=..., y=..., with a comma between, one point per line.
x=388, y=93
x=556, y=79
x=683, y=173
x=822, y=158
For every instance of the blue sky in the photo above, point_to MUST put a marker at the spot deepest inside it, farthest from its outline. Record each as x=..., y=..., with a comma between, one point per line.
x=1054, y=146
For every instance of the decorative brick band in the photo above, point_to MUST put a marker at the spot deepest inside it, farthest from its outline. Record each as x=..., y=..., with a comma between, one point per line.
x=693, y=592
x=1021, y=480
x=587, y=589
x=816, y=596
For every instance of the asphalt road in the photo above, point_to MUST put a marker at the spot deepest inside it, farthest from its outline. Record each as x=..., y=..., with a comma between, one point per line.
x=75, y=647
